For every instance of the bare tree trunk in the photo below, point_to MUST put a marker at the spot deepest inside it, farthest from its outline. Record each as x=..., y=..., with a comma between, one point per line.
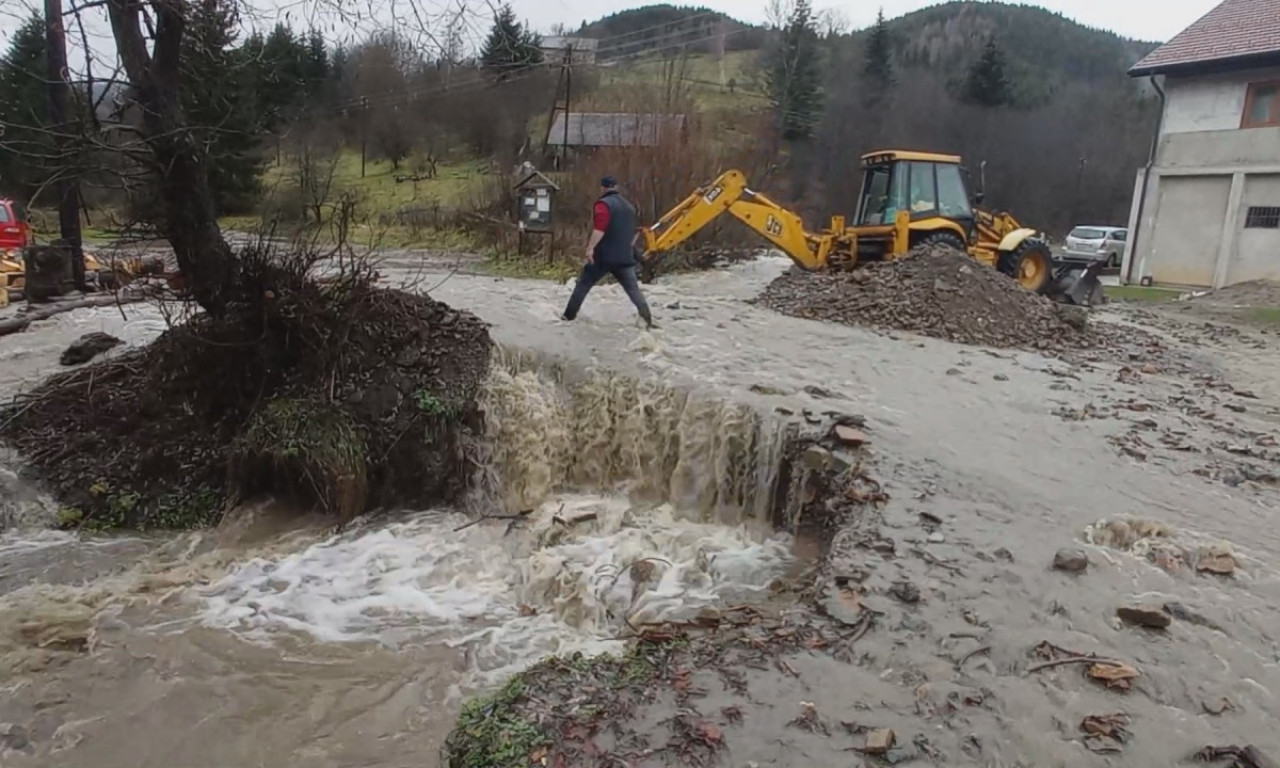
x=190, y=221
x=69, y=180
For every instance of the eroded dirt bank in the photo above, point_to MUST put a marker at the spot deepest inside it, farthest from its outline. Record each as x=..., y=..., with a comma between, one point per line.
x=992, y=461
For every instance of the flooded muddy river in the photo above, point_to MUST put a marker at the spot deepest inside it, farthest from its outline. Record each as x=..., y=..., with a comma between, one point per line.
x=274, y=641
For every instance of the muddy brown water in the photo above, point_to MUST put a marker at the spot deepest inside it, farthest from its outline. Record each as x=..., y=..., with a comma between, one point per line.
x=272, y=642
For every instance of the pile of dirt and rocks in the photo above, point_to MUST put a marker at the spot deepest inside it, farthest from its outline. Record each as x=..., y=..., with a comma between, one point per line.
x=334, y=392
x=936, y=291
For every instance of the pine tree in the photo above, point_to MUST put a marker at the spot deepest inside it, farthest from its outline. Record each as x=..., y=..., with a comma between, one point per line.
x=24, y=110
x=510, y=47
x=217, y=98
x=316, y=67
x=793, y=76
x=877, y=68
x=987, y=84
x=281, y=74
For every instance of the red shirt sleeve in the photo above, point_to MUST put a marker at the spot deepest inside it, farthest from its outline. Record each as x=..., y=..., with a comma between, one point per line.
x=600, y=216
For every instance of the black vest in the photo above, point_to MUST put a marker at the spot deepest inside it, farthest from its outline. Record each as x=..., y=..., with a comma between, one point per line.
x=615, y=247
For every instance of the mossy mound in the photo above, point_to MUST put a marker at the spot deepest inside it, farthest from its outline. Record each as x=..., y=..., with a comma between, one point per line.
x=336, y=392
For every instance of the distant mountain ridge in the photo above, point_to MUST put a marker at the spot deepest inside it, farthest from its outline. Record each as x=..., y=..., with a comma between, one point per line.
x=1043, y=48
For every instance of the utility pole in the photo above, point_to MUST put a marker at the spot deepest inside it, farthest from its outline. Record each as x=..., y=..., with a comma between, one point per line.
x=568, y=97
x=364, y=131
x=68, y=182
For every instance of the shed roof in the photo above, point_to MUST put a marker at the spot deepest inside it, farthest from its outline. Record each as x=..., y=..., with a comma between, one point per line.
x=612, y=129
x=1237, y=33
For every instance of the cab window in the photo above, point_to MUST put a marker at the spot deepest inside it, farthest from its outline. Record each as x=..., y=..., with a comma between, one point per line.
x=875, y=195
x=5, y=217
x=924, y=191
x=953, y=199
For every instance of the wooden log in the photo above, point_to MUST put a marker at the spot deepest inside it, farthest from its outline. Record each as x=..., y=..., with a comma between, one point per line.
x=20, y=322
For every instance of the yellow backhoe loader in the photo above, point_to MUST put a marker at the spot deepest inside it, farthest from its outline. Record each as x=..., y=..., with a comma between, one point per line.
x=907, y=199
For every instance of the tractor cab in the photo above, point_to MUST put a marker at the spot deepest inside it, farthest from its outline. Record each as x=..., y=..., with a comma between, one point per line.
x=908, y=198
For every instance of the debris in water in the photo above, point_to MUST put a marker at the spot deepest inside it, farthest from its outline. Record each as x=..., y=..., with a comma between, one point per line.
x=845, y=606
x=1245, y=757
x=575, y=518
x=1151, y=618
x=1113, y=675
x=87, y=347
x=821, y=393
x=850, y=436
x=1217, y=706
x=905, y=591
x=1216, y=559
x=1104, y=734
x=809, y=720
x=766, y=389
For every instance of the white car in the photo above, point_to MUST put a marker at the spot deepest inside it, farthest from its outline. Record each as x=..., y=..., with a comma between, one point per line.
x=1092, y=243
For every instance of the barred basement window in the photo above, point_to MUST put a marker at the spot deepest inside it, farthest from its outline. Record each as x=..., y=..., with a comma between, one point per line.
x=1262, y=218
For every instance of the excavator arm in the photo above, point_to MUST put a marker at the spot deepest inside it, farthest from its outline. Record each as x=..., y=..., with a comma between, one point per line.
x=729, y=193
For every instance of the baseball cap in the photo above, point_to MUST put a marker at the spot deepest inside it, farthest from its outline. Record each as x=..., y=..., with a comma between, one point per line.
x=608, y=182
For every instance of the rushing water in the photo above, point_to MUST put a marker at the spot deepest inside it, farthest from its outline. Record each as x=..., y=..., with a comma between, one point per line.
x=603, y=503
x=271, y=641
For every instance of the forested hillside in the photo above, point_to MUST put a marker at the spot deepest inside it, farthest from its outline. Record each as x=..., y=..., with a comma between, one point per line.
x=1045, y=101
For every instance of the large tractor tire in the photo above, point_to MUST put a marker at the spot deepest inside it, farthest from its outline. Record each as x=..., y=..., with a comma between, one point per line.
x=949, y=239
x=1030, y=264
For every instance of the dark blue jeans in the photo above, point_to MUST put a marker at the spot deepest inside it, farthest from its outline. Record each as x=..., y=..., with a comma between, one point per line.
x=626, y=277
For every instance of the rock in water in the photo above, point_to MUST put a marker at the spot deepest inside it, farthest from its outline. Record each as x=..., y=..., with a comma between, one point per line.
x=1071, y=560
x=879, y=741
x=87, y=347
x=1151, y=618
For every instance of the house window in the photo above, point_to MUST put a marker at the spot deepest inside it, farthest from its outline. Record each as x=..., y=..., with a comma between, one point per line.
x=1262, y=218
x=1262, y=106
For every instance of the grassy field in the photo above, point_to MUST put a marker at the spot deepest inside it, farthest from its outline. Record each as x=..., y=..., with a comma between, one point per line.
x=377, y=189
x=703, y=77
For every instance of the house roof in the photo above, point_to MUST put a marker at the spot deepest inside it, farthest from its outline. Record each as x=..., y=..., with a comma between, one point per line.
x=612, y=129
x=559, y=43
x=1237, y=33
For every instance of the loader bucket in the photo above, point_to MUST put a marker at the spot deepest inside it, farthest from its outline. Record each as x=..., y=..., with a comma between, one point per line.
x=646, y=264
x=1077, y=284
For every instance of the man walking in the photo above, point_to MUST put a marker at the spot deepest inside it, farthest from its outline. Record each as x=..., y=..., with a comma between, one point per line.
x=610, y=251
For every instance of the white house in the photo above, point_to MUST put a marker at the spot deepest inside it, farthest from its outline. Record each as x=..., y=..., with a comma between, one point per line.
x=1206, y=208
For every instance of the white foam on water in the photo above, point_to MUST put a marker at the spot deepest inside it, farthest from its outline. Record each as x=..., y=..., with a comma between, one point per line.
x=506, y=595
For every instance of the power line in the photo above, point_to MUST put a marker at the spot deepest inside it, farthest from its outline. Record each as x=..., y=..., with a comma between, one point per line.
x=481, y=81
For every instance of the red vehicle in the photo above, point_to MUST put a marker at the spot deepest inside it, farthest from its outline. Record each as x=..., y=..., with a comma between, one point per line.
x=15, y=233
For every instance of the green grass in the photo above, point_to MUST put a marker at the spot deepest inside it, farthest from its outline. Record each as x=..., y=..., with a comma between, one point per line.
x=1140, y=293
x=704, y=79
x=44, y=225
x=377, y=190
x=1264, y=315
x=530, y=267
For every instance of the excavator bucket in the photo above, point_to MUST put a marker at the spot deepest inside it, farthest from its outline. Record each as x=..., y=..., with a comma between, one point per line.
x=1078, y=284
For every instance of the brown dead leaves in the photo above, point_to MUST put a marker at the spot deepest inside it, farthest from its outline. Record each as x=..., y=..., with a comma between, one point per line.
x=1104, y=734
